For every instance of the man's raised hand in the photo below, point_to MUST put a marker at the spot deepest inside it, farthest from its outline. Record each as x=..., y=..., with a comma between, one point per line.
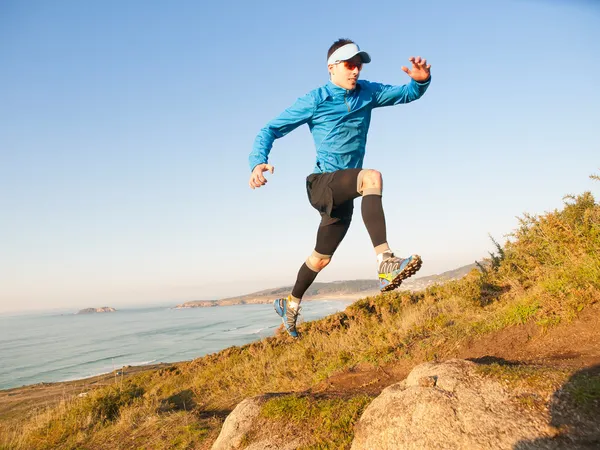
x=257, y=178
x=419, y=71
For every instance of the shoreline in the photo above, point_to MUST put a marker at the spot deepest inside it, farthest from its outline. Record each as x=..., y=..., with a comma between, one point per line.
x=99, y=374
x=150, y=364
x=15, y=400
x=344, y=297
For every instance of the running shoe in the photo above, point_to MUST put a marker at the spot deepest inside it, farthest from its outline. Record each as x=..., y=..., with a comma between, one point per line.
x=288, y=315
x=393, y=270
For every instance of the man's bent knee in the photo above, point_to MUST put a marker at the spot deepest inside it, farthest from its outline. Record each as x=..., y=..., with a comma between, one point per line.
x=317, y=262
x=369, y=182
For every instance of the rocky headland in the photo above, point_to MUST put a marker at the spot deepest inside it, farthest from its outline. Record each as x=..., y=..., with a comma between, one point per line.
x=104, y=309
x=347, y=289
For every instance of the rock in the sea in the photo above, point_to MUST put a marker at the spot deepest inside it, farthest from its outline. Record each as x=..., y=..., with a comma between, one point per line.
x=447, y=406
x=104, y=309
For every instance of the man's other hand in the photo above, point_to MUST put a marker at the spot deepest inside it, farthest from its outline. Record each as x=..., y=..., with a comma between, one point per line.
x=257, y=178
x=419, y=71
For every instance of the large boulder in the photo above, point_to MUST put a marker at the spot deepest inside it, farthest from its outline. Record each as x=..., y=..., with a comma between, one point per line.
x=447, y=406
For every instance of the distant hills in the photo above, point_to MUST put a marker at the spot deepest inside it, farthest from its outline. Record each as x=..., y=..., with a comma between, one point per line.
x=336, y=289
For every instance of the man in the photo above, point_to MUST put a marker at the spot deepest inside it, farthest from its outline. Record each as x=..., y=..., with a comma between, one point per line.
x=338, y=115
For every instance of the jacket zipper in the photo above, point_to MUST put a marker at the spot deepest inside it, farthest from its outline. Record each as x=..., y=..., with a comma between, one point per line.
x=347, y=105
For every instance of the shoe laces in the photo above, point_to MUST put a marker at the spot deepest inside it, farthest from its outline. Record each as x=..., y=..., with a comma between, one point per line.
x=291, y=316
x=390, y=264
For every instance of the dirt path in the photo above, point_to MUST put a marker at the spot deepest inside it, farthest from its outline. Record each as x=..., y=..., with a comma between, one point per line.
x=574, y=345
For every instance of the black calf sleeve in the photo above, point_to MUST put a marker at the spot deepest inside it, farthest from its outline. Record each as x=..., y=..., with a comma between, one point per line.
x=304, y=280
x=372, y=213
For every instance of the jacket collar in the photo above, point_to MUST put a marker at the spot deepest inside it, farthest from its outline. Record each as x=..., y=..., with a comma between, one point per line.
x=337, y=91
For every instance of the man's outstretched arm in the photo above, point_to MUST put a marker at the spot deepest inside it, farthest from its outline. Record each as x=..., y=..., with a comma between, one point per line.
x=387, y=95
x=297, y=114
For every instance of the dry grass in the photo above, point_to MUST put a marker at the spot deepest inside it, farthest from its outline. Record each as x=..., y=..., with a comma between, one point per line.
x=325, y=423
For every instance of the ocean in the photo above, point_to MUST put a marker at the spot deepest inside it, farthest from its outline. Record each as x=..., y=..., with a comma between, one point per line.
x=50, y=347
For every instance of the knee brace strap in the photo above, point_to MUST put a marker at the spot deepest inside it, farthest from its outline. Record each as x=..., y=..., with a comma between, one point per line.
x=318, y=256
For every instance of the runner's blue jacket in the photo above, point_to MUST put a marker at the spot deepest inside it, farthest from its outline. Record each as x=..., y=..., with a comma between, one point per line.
x=338, y=119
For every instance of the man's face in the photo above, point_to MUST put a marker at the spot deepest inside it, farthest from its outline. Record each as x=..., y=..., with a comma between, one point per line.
x=345, y=74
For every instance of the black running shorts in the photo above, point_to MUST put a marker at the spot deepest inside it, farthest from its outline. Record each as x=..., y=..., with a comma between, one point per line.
x=332, y=194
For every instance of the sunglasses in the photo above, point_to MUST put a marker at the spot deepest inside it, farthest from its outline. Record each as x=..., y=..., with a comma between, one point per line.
x=351, y=66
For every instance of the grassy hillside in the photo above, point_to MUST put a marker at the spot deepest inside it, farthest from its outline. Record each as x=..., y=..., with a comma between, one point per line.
x=547, y=274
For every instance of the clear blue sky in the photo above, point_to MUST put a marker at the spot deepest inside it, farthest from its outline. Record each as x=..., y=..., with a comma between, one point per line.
x=125, y=129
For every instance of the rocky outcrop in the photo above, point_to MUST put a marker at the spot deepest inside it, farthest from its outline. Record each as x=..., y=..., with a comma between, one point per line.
x=104, y=309
x=447, y=406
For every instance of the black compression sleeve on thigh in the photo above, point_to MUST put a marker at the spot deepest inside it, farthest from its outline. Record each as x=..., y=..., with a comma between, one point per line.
x=372, y=213
x=330, y=236
x=304, y=280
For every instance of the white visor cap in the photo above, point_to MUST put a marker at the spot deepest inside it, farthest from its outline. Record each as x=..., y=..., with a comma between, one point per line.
x=346, y=52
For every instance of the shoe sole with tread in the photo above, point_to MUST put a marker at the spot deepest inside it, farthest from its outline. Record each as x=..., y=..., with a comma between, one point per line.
x=411, y=268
